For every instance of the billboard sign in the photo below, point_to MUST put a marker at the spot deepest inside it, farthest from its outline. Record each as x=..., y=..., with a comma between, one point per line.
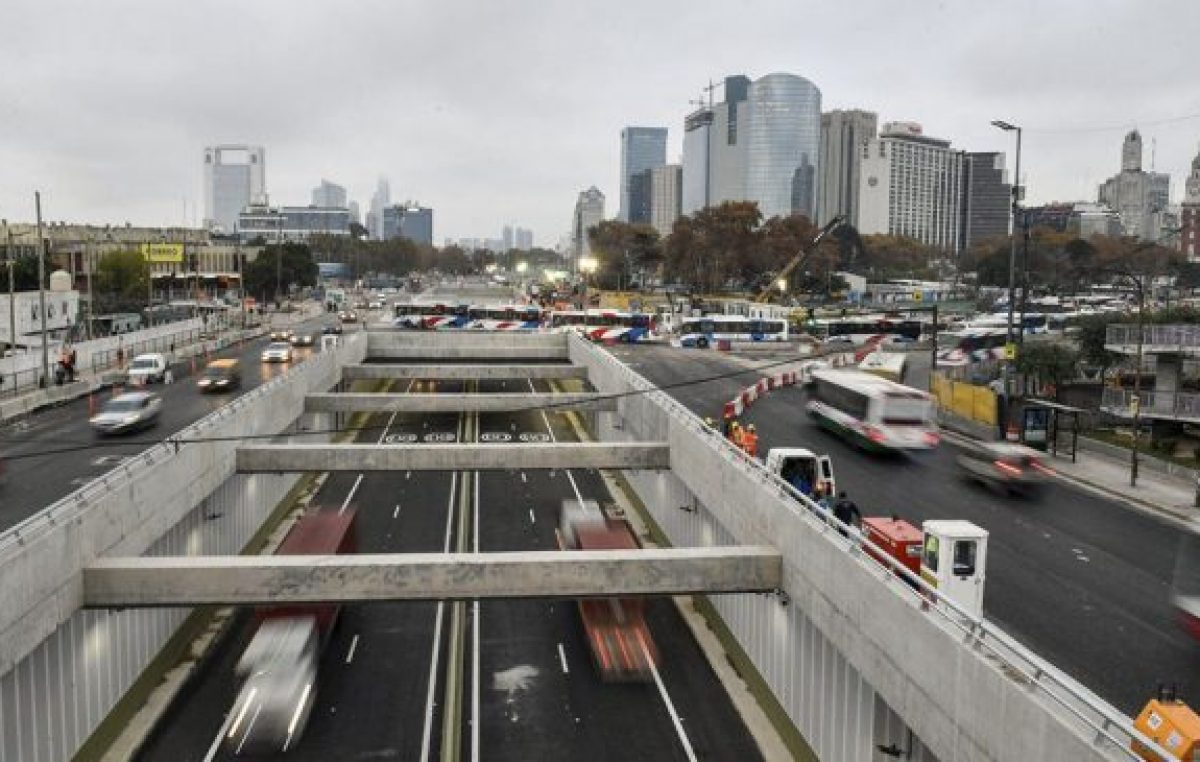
x=163, y=253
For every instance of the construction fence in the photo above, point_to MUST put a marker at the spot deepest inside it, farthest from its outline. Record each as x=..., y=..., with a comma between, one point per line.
x=975, y=403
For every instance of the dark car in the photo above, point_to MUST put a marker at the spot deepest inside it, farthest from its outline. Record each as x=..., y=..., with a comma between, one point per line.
x=220, y=376
x=302, y=340
x=332, y=330
x=1010, y=467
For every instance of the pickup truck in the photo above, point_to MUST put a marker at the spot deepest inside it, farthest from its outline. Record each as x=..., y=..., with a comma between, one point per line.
x=797, y=465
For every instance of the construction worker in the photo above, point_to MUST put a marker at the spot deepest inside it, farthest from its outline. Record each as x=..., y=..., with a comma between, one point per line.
x=710, y=423
x=750, y=441
x=727, y=426
x=736, y=435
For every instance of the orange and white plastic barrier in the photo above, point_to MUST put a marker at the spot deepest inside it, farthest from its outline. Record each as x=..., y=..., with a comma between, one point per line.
x=747, y=397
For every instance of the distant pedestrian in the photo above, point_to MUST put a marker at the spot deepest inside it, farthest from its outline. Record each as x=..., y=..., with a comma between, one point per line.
x=727, y=425
x=750, y=441
x=846, y=512
x=736, y=434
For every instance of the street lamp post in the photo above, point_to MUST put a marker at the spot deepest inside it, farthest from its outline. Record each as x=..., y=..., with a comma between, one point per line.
x=37, y=202
x=1012, y=255
x=12, y=291
x=1137, y=379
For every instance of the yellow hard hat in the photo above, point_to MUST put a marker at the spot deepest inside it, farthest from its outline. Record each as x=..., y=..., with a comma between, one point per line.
x=735, y=424
x=750, y=427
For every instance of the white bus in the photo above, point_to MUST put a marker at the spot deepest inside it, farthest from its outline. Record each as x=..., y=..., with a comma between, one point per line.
x=441, y=316
x=606, y=325
x=872, y=412
x=709, y=329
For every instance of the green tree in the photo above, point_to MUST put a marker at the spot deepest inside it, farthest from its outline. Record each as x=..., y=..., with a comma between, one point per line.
x=623, y=248
x=25, y=272
x=121, y=281
x=1091, y=337
x=1049, y=363
x=294, y=264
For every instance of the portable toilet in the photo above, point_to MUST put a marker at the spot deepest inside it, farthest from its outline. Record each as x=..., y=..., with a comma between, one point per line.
x=953, y=560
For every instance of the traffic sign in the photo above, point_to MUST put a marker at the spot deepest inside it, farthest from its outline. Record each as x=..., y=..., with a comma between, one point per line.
x=1010, y=351
x=918, y=296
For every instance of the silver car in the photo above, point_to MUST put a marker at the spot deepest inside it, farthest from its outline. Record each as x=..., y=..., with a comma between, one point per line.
x=128, y=412
x=277, y=351
x=1011, y=467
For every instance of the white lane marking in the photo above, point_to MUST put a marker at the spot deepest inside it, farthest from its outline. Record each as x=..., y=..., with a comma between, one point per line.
x=532, y=520
x=216, y=744
x=475, y=720
x=350, y=496
x=407, y=474
x=396, y=513
x=662, y=691
x=427, y=732
x=562, y=658
x=350, y=653
x=249, y=727
x=550, y=431
x=523, y=479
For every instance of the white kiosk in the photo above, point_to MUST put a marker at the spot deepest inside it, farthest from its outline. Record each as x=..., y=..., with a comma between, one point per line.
x=953, y=560
x=329, y=341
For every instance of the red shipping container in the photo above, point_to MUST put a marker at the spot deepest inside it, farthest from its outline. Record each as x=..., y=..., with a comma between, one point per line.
x=897, y=538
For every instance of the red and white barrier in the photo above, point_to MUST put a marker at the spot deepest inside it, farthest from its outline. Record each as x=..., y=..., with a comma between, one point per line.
x=747, y=397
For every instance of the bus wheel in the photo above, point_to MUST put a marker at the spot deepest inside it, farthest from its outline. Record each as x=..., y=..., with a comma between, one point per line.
x=702, y=342
x=625, y=338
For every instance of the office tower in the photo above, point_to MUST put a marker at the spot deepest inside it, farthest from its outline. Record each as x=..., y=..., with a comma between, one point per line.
x=1141, y=198
x=589, y=212
x=1189, y=214
x=409, y=220
x=524, y=239
x=380, y=200
x=507, y=236
x=234, y=178
x=761, y=144
x=639, y=197
x=987, y=199
x=912, y=185
x=354, y=212
x=843, y=134
x=642, y=148
x=330, y=195
x=666, y=187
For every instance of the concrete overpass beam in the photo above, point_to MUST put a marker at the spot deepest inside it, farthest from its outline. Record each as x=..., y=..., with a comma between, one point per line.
x=544, y=371
x=455, y=403
x=451, y=457
x=246, y=580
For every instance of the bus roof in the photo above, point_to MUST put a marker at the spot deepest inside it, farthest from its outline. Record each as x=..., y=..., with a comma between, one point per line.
x=866, y=383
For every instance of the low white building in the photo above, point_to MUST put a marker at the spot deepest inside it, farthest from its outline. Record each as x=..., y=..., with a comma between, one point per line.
x=62, y=311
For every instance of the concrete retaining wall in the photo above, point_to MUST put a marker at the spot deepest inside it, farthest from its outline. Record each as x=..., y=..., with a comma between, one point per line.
x=64, y=668
x=853, y=650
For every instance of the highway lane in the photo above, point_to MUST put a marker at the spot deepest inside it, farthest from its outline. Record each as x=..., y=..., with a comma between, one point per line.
x=1081, y=579
x=35, y=482
x=541, y=692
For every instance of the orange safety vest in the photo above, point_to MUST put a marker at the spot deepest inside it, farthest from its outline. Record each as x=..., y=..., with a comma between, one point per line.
x=750, y=444
x=738, y=436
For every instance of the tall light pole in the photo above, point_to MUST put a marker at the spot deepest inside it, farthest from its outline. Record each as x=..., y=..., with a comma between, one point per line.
x=1012, y=257
x=37, y=203
x=12, y=291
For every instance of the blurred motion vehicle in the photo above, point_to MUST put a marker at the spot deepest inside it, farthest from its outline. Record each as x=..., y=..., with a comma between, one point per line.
x=1003, y=465
x=301, y=340
x=278, y=351
x=220, y=376
x=348, y=316
x=616, y=630
x=279, y=666
x=127, y=412
x=872, y=412
x=333, y=329
x=280, y=335
x=147, y=369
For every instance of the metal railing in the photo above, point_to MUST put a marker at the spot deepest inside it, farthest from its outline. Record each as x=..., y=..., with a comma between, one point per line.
x=1181, y=337
x=1183, y=405
x=1108, y=723
x=65, y=509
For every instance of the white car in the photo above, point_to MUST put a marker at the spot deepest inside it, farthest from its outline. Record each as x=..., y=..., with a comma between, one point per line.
x=277, y=351
x=147, y=369
x=127, y=412
x=375, y=305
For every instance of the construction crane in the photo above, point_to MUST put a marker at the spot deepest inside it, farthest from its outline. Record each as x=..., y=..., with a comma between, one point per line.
x=802, y=256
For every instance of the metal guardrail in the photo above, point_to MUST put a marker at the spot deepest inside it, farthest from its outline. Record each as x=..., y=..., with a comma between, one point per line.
x=1182, y=337
x=1152, y=403
x=68, y=507
x=1108, y=723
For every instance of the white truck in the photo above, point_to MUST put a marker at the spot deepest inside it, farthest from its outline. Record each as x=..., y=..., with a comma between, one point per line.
x=798, y=466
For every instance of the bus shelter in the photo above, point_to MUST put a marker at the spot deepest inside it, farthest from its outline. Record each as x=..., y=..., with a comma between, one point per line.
x=1046, y=424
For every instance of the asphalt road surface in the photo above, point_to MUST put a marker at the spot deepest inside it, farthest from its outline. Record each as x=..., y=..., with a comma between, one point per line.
x=37, y=475
x=530, y=691
x=1083, y=580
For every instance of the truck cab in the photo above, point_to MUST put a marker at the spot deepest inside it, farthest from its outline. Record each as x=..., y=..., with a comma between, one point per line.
x=798, y=466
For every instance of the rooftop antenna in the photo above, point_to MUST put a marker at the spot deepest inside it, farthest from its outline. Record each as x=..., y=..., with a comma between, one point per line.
x=1153, y=152
x=709, y=89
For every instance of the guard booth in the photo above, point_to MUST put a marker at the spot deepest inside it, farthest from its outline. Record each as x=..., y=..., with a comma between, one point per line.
x=953, y=559
x=1050, y=427
x=329, y=341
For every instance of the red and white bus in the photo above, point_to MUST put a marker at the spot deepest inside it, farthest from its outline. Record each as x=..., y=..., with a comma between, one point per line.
x=606, y=325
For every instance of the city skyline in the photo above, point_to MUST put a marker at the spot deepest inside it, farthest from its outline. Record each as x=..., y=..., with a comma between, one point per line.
x=466, y=150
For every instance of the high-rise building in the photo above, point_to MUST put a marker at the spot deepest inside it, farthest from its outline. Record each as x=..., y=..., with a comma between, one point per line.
x=912, y=185
x=506, y=235
x=329, y=195
x=1189, y=214
x=642, y=148
x=235, y=176
x=1141, y=198
x=987, y=199
x=760, y=144
x=843, y=134
x=291, y=223
x=640, y=189
x=589, y=212
x=666, y=186
x=523, y=239
x=380, y=200
x=408, y=220
x=354, y=212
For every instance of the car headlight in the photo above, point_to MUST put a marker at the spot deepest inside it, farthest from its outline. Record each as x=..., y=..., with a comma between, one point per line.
x=129, y=419
x=203, y=382
x=223, y=382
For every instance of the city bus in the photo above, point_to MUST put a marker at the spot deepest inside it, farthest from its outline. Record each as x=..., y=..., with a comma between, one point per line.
x=709, y=329
x=440, y=316
x=606, y=325
x=873, y=412
x=864, y=328
x=971, y=345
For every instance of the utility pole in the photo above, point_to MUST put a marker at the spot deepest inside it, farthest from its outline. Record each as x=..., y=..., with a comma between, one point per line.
x=12, y=291
x=37, y=202
x=1012, y=258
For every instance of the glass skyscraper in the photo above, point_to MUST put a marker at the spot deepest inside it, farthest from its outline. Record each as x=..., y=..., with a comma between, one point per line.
x=782, y=133
x=642, y=149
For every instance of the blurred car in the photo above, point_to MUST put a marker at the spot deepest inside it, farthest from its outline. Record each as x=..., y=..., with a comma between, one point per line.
x=1003, y=465
x=220, y=376
x=147, y=369
x=277, y=351
x=375, y=305
x=279, y=335
x=301, y=340
x=348, y=316
x=333, y=329
x=128, y=412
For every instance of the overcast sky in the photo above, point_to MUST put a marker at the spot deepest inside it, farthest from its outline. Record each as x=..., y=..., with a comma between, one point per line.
x=500, y=111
